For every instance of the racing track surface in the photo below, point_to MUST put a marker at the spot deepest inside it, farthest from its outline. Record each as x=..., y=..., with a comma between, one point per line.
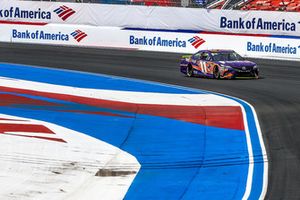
x=276, y=96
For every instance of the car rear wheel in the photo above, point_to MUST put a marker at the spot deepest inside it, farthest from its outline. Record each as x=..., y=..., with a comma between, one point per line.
x=216, y=73
x=189, y=71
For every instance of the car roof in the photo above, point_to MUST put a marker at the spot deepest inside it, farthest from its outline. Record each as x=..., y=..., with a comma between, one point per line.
x=217, y=50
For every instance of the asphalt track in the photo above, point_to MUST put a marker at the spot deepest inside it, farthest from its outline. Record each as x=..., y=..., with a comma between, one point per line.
x=275, y=96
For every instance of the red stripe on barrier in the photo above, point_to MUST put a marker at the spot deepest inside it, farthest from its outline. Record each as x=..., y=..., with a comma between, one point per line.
x=23, y=23
x=236, y=34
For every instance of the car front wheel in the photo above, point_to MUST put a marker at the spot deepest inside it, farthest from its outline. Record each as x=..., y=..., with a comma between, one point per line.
x=189, y=71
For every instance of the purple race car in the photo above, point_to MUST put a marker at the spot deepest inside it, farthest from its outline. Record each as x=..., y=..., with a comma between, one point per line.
x=218, y=64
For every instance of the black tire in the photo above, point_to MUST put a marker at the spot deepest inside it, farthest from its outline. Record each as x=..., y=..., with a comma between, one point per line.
x=256, y=74
x=216, y=73
x=189, y=71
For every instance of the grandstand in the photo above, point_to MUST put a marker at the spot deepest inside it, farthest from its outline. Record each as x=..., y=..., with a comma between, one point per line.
x=277, y=5
x=272, y=5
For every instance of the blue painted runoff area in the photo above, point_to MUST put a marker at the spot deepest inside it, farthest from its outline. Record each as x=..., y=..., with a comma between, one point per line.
x=82, y=79
x=179, y=160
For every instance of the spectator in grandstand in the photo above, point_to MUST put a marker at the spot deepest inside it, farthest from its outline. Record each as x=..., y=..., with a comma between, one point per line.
x=200, y=3
x=283, y=5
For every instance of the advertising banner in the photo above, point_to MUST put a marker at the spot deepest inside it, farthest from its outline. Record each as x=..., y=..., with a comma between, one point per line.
x=56, y=34
x=250, y=46
x=179, y=42
x=145, y=17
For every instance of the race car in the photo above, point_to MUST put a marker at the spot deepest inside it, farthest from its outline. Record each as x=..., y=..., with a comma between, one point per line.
x=218, y=64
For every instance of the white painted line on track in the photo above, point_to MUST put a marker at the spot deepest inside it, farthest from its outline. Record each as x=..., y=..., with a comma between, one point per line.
x=250, y=153
x=264, y=154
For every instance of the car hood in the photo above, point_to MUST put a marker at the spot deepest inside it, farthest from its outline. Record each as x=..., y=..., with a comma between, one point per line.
x=238, y=64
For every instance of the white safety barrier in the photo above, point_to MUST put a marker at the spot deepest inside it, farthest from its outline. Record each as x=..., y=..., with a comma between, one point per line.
x=258, y=22
x=180, y=30
x=92, y=36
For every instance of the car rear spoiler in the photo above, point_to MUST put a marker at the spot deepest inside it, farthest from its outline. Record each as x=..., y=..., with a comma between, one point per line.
x=186, y=56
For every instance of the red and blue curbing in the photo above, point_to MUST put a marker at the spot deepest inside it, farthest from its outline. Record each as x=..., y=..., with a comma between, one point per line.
x=181, y=156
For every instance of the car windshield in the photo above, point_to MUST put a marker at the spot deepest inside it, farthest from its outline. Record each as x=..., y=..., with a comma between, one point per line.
x=226, y=56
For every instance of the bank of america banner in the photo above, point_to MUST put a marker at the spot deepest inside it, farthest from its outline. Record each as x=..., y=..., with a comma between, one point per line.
x=143, y=17
x=166, y=41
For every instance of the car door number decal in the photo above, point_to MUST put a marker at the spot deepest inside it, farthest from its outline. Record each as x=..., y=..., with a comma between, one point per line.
x=203, y=66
